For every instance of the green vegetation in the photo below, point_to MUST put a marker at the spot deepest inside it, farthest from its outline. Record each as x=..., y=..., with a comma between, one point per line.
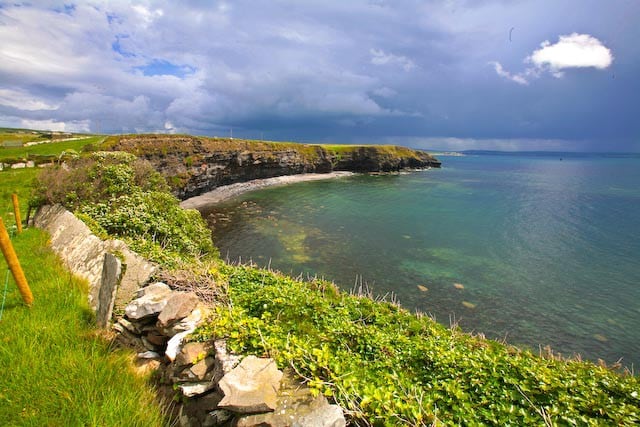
x=20, y=182
x=390, y=367
x=121, y=196
x=383, y=364
x=12, y=154
x=56, y=370
x=190, y=146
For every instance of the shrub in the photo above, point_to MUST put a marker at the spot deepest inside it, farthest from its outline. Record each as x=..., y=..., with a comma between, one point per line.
x=120, y=195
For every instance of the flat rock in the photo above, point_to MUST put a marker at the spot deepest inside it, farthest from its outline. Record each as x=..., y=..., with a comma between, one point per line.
x=192, y=320
x=152, y=288
x=128, y=325
x=137, y=272
x=195, y=389
x=149, y=355
x=111, y=275
x=297, y=407
x=179, y=306
x=150, y=304
x=202, y=368
x=251, y=387
x=191, y=353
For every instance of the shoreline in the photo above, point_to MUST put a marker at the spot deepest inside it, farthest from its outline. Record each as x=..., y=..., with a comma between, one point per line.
x=227, y=192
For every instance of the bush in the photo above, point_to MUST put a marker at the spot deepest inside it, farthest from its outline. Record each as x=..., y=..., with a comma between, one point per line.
x=120, y=195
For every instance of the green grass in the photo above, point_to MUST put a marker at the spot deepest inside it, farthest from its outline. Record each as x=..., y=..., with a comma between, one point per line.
x=15, y=181
x=47, y=149
x=55, y=369
x=19, y=137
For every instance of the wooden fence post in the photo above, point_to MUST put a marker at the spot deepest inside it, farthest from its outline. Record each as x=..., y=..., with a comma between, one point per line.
x=16, y=212
x=14, y=265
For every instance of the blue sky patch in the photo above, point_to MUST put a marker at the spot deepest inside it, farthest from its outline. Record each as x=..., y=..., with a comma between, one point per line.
x=160, y=67
x=117, y=47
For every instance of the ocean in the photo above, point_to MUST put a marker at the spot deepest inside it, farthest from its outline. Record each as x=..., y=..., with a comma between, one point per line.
x=535, y=249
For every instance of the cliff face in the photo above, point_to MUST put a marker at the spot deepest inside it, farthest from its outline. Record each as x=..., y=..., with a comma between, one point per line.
x=195, y=165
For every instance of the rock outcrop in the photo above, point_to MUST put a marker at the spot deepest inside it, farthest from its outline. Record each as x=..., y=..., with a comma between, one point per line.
x=195, y=165
x=216, y=388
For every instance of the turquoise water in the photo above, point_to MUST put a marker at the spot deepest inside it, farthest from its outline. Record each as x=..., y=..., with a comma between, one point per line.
x=532, y=249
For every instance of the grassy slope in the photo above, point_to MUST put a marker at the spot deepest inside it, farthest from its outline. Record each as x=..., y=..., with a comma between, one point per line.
x=55, y=370
x=390, y=367
x=47, y=148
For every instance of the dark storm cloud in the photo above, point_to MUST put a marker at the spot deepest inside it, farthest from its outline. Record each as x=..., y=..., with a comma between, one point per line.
x=442, y=74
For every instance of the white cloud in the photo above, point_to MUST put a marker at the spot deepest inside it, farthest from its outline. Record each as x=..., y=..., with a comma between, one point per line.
x=571, y=51
x=23, y=100
x=518, y=78
x=380, y=57
x=148, y=16
x=74, y=126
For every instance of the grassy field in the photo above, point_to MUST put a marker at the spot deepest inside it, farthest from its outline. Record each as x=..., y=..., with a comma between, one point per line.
x=56, y=369
x=15, y=181
x=20, y=136
x=47, y=148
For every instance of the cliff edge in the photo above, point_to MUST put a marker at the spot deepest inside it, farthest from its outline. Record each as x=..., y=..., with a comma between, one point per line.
x=195, y=165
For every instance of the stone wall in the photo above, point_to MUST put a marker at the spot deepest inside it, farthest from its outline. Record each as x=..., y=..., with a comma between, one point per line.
x=205, y=384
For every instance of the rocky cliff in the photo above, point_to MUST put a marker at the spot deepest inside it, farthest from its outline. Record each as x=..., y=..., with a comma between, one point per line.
x=195, y=165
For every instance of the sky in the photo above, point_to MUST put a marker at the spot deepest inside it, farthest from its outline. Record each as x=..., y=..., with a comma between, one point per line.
x=560, y=75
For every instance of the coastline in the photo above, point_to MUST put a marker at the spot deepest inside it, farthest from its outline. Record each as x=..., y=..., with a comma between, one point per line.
x=227, y=192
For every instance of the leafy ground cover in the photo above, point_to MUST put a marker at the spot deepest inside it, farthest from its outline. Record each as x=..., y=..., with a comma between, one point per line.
x=56, y=370
x=387, y=366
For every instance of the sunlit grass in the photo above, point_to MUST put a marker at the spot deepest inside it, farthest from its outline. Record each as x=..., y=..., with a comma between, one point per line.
x=56, y=370
x=15, y=181
x=47, y=148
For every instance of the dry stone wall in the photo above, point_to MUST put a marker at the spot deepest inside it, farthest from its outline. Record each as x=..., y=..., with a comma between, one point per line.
x=212, y=386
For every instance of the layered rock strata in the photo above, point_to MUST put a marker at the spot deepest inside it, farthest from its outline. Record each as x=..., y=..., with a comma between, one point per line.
x=195, y=165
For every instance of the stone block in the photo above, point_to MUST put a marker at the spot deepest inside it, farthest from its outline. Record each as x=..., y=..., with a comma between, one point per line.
x=251, y=387
x=179, y=306
x=111, y=274
x=150, y=304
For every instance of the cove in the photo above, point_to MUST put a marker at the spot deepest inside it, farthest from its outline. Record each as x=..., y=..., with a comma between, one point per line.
x=528, y=248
